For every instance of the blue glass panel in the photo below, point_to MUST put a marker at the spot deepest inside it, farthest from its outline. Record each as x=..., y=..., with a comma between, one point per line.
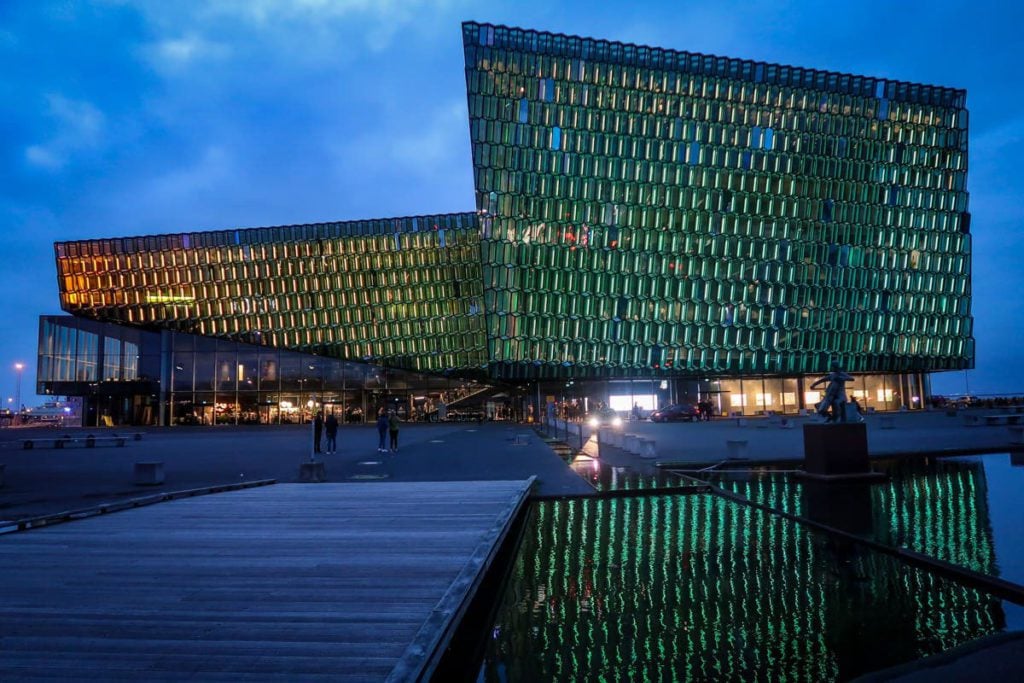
x=883, y=109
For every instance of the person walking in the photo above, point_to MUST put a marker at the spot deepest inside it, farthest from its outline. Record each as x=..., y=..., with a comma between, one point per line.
x=331, y=429
x=382, y=430
x=393, y=423
x=318, y=431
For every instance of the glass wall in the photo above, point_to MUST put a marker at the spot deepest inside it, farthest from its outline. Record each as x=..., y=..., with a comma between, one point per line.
x=184, y=379
x=770, y=395
x=117, y=370
x=647, y=209
x=405, y=291
x=253, y=385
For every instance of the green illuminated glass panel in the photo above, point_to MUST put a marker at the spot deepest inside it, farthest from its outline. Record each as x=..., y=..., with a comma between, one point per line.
x=698, y=214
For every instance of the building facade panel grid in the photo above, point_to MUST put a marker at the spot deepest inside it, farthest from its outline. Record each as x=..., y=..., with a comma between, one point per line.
x=708, y=202
x=639, y=211
x=410, y=296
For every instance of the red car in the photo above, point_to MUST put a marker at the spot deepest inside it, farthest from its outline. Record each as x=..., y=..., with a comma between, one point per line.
x=676, y=412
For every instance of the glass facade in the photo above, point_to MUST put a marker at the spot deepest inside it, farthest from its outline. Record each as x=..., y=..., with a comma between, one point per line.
x=404, y=291
x=646, y=210
x=130, y=376
x=640, y=213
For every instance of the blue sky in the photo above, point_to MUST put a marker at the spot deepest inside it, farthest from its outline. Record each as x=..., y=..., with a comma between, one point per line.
x=126, y=118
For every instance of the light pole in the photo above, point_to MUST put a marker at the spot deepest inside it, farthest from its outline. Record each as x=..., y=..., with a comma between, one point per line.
x=17, y=389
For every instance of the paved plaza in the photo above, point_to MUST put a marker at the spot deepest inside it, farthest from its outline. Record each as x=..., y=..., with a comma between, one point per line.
x=45, y=480
x=781, y=438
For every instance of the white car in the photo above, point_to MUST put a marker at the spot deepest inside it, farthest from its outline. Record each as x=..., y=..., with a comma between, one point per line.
x=605, y=417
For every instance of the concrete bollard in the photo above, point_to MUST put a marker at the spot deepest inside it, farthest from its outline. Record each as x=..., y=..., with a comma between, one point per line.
x=615, y=438
x=1016, y=434
x=149, y=473
x=313, y=472
x=631, y=443
x=649, y=449
x=737, y=448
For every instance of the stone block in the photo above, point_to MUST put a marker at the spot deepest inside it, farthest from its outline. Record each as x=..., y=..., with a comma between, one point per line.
x=736, y=448
x=648, y=449
x=149, y=473
x=838, y=450
x=313, y=472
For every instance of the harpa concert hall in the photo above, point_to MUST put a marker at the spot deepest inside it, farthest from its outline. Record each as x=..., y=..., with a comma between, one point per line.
x=650, y=226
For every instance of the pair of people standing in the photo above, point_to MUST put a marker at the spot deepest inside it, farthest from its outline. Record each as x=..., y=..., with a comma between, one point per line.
x=387, y=423
x=330, y=426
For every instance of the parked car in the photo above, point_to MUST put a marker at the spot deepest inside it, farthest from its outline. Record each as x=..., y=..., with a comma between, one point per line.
x=603, y=417
x=966, y=401
x=676, y=412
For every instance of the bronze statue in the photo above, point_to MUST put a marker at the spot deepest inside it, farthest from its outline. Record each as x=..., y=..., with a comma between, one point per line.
x=835, y=394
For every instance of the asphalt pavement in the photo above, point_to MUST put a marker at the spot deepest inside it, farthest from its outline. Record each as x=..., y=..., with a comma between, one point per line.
x=45, y=480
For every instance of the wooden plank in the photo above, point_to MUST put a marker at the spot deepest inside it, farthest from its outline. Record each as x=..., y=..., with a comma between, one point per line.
x=332, y=580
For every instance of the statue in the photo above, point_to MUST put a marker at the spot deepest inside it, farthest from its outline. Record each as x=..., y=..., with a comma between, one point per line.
x=835, y=394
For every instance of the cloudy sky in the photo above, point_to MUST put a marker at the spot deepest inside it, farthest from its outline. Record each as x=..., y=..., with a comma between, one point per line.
x=122, y=117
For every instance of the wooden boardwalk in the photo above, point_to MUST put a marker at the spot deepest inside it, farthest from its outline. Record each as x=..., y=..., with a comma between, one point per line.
x=355, y=581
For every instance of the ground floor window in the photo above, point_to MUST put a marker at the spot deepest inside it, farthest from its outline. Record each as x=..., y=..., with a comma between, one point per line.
x=790, y=395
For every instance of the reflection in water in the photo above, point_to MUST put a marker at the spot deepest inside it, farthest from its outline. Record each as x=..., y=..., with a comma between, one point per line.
x=609, y=477
x=938, y=507
x=697, y=587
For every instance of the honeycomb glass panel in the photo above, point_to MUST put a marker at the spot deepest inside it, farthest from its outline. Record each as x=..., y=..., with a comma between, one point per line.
x=804, y=198
x=374, y=288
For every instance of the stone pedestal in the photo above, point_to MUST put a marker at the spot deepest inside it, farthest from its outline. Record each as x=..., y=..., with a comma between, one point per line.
x=837, y=452
x=736, y=448
x=1016, y=435
x=313, y=472
x=149, y=473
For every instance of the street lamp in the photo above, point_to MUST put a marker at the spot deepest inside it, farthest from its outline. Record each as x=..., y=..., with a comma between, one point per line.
x=17, y=389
